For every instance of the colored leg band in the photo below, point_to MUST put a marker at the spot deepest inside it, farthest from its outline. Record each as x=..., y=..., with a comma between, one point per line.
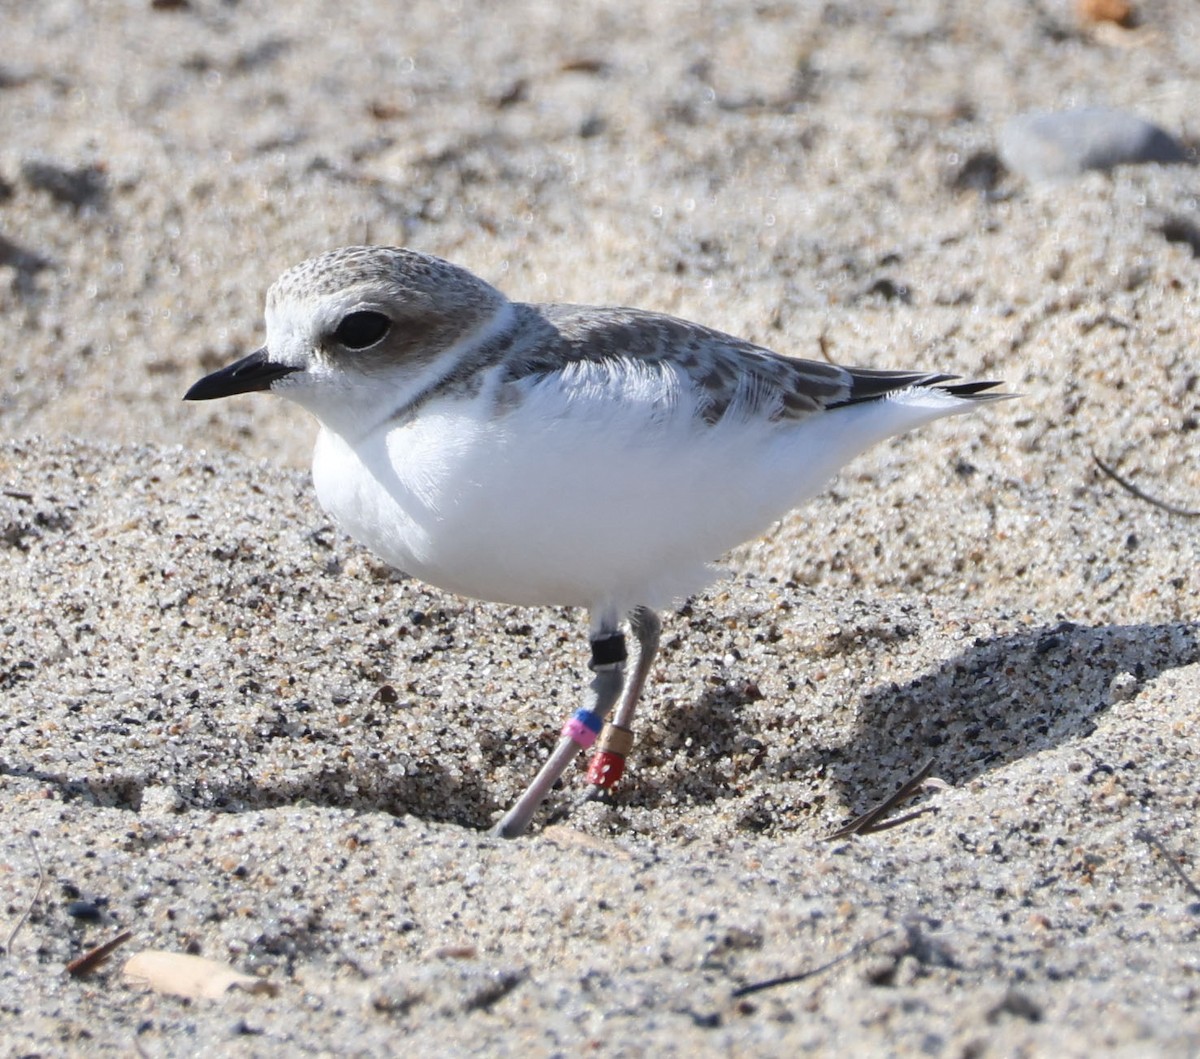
x=605, y=769
x=617, y=738
x=608, y=762
x=608, y=651
x=582, y=727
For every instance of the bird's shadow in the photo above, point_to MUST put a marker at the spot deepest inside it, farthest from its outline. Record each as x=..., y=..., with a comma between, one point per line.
x=1001, y=699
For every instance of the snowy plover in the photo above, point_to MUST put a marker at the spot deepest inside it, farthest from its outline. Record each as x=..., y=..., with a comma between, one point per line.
x=557, y=454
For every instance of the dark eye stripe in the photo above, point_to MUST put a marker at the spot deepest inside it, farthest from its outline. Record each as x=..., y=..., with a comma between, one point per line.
x=362, y=329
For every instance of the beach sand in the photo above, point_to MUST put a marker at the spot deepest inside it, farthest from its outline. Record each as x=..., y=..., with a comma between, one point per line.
x=230, y=731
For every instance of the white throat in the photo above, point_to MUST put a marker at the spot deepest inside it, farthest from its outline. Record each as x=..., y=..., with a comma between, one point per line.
x=355, y=404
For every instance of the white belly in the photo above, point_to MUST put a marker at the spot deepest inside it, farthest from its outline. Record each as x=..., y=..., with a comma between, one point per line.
x=501, y=515
x=566, y=504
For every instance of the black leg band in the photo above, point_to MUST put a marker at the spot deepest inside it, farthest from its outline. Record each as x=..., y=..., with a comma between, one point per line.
x=608, y=650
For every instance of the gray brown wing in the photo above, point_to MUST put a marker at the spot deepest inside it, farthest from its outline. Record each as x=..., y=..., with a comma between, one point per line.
x=726, y=372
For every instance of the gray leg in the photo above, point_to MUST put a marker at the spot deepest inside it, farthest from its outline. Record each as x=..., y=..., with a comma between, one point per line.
x=616, y=740
x=608, y=663
x=646, y=628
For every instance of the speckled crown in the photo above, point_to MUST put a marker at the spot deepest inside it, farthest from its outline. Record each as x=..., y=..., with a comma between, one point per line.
x=408, y=275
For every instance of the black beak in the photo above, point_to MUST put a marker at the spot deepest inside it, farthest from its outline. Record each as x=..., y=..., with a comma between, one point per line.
x=255, y=372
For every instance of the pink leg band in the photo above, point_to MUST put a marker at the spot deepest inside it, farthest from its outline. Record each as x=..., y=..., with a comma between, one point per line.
x=582, y=728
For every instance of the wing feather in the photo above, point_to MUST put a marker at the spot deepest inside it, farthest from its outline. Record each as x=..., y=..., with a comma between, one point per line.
x=726, y=376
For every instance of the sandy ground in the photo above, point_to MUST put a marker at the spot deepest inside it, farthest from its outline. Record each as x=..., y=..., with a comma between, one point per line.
x=229, y=731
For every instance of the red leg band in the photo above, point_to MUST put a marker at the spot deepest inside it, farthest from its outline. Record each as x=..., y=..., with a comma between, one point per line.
x=608, y=762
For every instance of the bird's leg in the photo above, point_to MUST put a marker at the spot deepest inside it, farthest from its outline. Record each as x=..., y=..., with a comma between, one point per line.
x=608, y=663
x=616, y=739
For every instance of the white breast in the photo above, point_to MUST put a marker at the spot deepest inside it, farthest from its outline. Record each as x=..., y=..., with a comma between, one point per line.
x=568, y=497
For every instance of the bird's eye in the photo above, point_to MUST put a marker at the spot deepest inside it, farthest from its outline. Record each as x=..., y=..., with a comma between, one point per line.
x=362, y=329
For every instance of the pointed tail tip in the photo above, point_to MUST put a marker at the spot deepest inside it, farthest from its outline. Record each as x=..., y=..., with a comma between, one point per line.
x=976, y=391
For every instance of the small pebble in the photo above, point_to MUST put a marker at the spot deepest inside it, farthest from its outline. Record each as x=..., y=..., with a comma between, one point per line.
x=1119, y=12
x=160, y=801
x=1058, y=145
x=85, y=910
x=1123, y=688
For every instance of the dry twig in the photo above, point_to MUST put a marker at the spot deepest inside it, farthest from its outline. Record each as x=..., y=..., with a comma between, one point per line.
x=1141, y=494
x=92, y=959
x=32, y=901
x=1152, y=840
x=871, y=819
x=790, y=979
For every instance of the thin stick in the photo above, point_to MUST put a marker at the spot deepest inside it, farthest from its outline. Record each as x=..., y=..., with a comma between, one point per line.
x=89, y=961
x=1141, y=494
x=790, y=979
x=32, y=901
x=868, y=822
x=887, y=825
x=1142, y=835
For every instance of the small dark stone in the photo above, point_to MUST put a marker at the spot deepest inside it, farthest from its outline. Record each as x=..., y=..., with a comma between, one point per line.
x=592, y=126
x=495, y=989
x=981, y=171
x=515, y=93
x=1181, y=230
x=85, y=910
x=263, y=53
x=1018, y=1004
x=891, y=290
